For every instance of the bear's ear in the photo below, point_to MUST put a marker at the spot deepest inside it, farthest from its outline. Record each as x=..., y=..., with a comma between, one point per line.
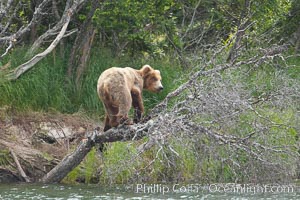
x=146, y=68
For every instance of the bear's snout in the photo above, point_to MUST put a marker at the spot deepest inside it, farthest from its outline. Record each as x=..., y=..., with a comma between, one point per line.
x=159, y=87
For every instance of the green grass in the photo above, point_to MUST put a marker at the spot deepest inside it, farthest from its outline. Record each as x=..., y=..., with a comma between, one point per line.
x=118, y=164
x=5, y=157
x=47, y=87
x=87, y=171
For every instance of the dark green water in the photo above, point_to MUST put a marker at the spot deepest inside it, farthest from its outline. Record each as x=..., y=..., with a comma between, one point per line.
x=152, y=191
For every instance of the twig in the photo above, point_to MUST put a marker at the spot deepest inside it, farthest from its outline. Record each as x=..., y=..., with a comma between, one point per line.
x=7, y=49
x=22, y=173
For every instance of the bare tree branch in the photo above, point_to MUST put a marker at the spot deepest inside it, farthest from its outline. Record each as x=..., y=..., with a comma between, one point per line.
x=3, y=28
x=22, y=173
x=64, y=22
x=29, y=64
x=70, y=8
x=36, y=15
x=8, y=48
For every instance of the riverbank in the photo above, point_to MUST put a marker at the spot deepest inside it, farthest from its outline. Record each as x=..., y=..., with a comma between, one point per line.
x=35, y=142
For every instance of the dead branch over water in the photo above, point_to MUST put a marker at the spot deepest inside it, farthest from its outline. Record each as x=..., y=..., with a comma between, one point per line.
x=209, y=106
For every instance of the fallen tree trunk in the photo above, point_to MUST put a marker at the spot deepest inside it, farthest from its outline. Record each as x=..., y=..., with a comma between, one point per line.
x=69, y=162
x=122, y=133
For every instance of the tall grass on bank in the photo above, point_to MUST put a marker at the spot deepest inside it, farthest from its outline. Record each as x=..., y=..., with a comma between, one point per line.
x=40, y=89
x=47, y=86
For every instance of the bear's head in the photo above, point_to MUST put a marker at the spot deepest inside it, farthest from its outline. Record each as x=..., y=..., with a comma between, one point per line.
x=152, y=79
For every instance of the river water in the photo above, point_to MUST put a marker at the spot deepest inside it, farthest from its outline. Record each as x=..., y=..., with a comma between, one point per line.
x=142, y=191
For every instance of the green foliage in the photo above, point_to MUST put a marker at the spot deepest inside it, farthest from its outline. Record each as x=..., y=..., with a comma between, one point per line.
x=290, y=23
x=91, y=164
x=270, y=14
x=73, y=175
x=167, y=166
x=187, y=160
x=5, y=158
x=140, y=25
x=294, y=70
x=118, y=167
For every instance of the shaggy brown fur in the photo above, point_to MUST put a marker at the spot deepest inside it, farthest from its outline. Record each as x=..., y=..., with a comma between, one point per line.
x=121, y=88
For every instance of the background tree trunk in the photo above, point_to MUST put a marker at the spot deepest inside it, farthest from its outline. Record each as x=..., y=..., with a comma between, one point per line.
x=297, y=46
x=81, y=49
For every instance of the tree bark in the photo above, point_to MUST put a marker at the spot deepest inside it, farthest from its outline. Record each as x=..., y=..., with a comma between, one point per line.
x=58, y=17
x=69, y=162
x=86, y=49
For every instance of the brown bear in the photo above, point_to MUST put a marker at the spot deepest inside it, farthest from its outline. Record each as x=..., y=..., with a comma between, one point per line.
x=119, y=88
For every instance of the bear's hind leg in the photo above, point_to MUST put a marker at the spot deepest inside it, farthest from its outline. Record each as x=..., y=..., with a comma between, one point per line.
x=137, y=103
x=124, y=107
x=107, y=123
x=111, y=113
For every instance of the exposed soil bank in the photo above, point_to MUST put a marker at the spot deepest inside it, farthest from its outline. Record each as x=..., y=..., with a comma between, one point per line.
x=38, y=141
